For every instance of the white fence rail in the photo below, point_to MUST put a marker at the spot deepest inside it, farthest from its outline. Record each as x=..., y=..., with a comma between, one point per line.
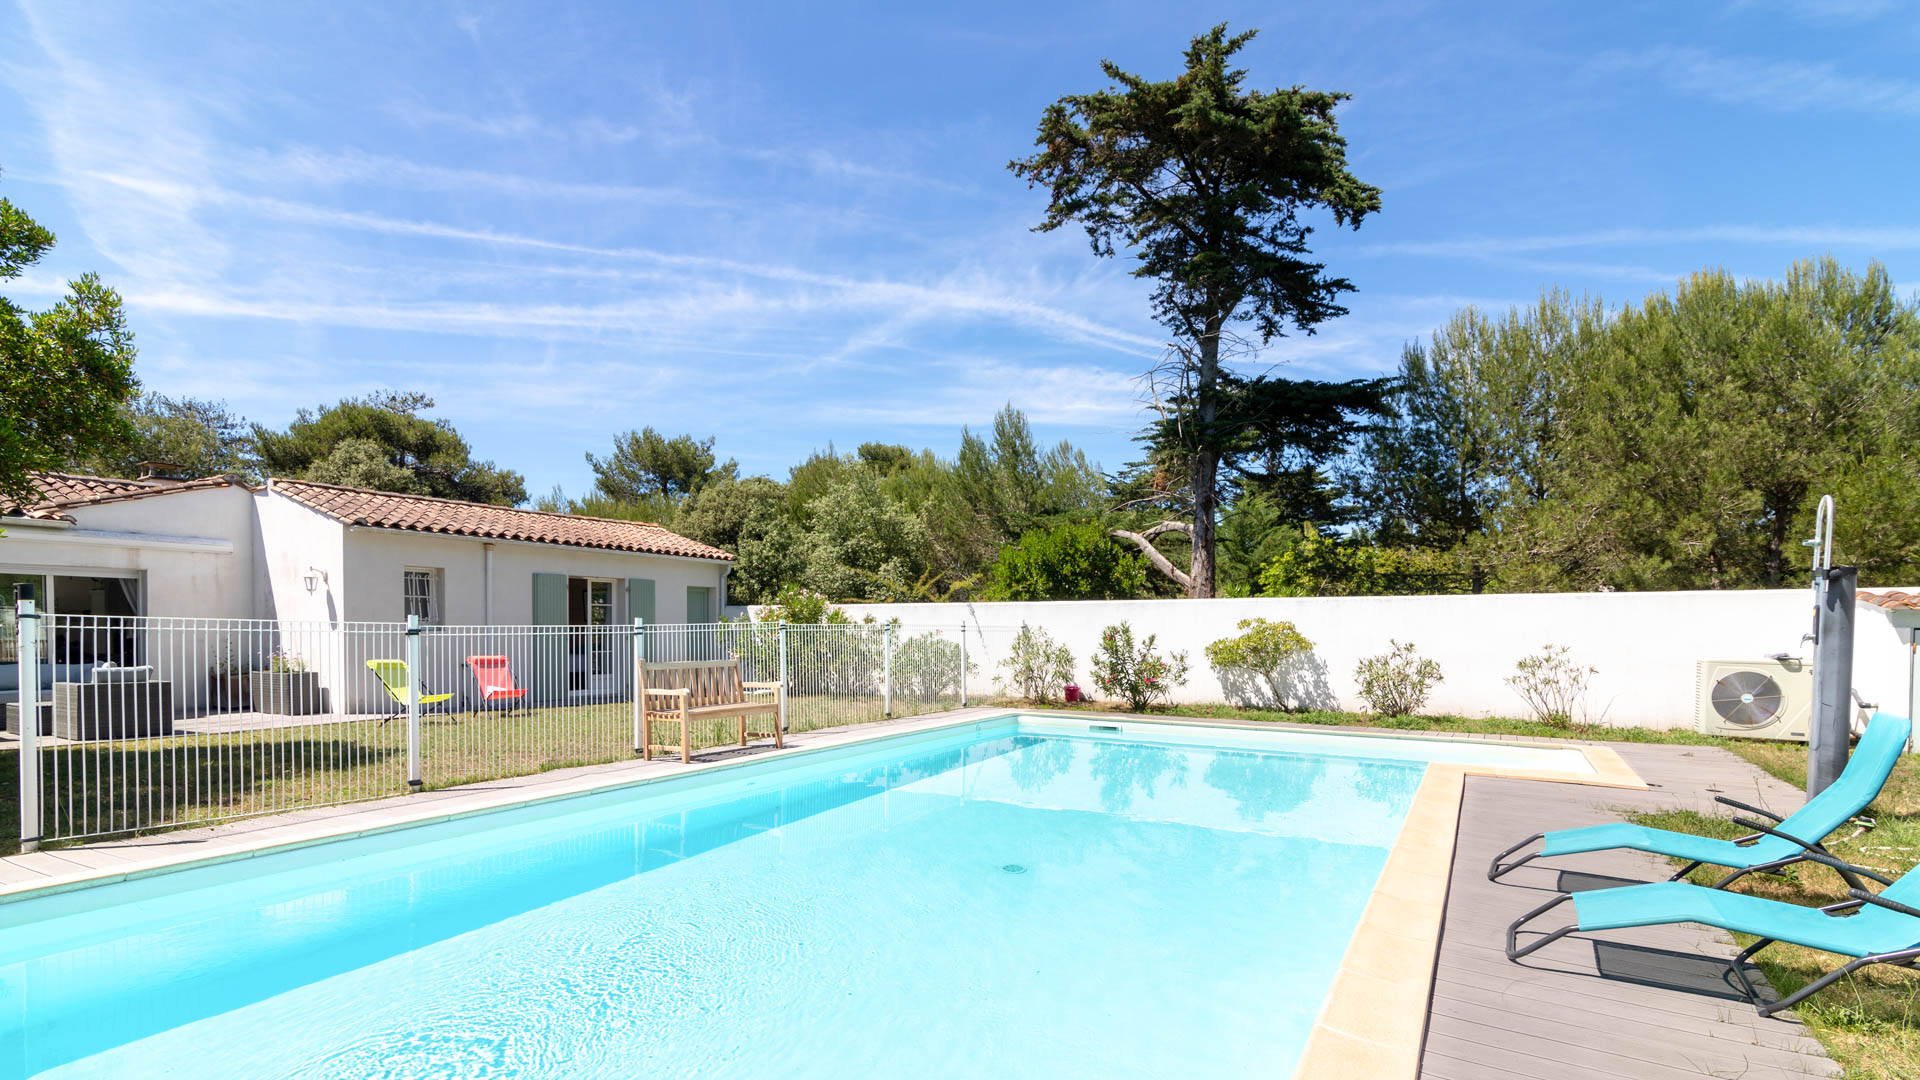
x=137, y=724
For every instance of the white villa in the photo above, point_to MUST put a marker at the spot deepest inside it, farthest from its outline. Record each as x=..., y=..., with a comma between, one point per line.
x=307, y=557
x=315, y=561
x=292, y=550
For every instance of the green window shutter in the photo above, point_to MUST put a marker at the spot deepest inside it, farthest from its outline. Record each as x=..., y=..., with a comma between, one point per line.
x=549, y=647
x=699, y=604
x=549, y=599
x=640, y=599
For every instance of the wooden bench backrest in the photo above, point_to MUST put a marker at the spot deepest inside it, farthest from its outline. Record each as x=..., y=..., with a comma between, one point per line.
x=712, y=682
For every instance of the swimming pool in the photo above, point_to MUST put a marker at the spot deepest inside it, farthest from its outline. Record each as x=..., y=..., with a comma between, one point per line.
x=1023, y=896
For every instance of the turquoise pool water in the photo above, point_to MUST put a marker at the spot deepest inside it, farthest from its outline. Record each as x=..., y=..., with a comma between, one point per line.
x=1003, y=900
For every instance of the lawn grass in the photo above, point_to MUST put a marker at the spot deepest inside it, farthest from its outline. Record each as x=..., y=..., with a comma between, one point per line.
x=136, y=786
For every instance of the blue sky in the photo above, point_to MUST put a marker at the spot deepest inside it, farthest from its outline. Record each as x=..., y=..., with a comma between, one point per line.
x=785, y=225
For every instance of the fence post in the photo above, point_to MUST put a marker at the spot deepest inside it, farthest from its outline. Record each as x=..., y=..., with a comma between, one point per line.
x=963, y=665
x=414, y=780
x=31, y=828
x=639, y=657
x=783, y=674
x=886, y=683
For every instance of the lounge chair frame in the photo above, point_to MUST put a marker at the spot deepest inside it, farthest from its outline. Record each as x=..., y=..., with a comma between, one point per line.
x=380, y=666
x=493, y=696
x=1500, y=868
x=1737, y=966
x=1883, y=744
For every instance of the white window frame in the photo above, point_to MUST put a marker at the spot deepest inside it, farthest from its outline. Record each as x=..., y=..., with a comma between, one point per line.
x=432, y=577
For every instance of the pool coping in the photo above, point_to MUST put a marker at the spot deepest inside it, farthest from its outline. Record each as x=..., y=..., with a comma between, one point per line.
x=1372, y=1022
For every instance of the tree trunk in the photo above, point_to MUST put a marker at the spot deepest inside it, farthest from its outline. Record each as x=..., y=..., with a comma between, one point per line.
x=1206, y=463
x=1774, y=570
x=1144, y=541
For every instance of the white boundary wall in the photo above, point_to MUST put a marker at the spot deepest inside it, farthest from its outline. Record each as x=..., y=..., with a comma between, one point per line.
x=1646, y=645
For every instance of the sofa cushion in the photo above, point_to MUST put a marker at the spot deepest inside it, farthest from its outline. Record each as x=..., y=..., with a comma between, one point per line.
x=49, y=674
x=109, y=673
x=53, y=673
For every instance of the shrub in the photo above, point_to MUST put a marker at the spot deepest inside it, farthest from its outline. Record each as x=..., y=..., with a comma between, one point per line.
x=1332, y=566
x=927, y=668
x=1037, y=665
x=1266, y=651
x=1140, y=676
x=798, y=605
x=1396, y=683
x=1553, y=686
x=1066, y=562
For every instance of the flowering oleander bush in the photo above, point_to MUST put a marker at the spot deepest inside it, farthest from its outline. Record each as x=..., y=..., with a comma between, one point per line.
x=1136, y=674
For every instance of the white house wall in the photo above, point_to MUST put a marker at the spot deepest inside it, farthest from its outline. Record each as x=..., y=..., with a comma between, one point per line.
x=178, y=580
x=1645, y=645
x=292, y=543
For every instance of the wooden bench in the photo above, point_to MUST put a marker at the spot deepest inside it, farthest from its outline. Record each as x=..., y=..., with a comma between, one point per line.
x=685, y=690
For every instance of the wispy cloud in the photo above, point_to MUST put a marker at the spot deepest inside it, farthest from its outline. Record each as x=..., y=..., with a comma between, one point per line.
x=1782, y=85
x=1079, y=394
x=513, y=124
x=823, y=162
x=949, y=298
x=357, y=167
x=91, y=125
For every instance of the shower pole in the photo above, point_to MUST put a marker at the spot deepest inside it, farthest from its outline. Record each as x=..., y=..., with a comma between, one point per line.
x=1833, y=609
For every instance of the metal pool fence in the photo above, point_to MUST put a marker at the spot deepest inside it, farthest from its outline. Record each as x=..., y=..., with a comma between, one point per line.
x=141, y=723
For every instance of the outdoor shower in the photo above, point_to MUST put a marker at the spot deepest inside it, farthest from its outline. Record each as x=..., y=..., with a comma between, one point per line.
x=1833, y=596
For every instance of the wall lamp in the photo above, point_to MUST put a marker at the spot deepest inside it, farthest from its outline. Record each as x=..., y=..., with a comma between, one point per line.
x=313, y=578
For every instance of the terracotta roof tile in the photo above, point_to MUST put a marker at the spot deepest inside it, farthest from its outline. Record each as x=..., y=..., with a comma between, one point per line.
x=61, y=491
x=420, y=513
x=1892, y=600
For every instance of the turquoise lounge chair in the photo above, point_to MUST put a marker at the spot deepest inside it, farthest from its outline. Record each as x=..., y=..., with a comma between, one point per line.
x=1883, y=929
x=1789, y=840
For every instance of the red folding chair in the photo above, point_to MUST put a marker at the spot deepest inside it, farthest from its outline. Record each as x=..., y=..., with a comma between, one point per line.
x=495, y=679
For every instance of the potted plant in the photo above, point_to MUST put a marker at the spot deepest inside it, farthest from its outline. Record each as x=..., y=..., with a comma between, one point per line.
x=227, y=682
x=286, y=686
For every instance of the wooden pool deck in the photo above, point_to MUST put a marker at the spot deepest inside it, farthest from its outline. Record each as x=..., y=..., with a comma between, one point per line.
x=1639, y=1004
x=1649, y=1004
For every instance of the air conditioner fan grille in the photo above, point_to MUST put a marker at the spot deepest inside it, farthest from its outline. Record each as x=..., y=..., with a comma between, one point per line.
x=1747, y=698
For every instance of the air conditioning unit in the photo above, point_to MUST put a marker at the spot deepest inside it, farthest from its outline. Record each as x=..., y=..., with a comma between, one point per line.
x=1755, y=699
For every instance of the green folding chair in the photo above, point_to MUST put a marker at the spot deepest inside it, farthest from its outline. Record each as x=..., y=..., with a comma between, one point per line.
x=1795, y=838
x=1883, y=929
x=395, y=678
